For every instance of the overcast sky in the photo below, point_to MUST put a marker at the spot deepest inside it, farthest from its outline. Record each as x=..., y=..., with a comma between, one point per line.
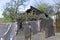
x=28, y=3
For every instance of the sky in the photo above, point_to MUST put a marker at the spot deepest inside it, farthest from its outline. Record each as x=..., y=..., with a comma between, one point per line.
x=27, y=4
x=2, y=3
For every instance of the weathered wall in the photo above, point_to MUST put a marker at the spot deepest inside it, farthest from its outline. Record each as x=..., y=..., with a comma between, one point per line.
x=45, y=25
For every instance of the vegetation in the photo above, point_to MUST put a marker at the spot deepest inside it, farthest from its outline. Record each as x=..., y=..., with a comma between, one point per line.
x=58, y=26
x=11, y=12
x=57, y=13
x=1, y=20
x=46, y=9
x=49, y=10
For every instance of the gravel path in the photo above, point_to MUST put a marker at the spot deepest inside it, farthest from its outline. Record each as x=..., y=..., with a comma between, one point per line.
x=40, y=36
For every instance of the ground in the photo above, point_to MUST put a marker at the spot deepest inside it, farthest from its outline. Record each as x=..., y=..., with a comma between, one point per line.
x=39, y=36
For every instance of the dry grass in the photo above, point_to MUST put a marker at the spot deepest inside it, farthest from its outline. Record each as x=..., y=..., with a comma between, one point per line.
x=58, y=26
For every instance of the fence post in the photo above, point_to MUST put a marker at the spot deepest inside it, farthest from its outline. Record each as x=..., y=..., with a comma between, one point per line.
x=38, y=23
x=16, y=28
x=30, y=30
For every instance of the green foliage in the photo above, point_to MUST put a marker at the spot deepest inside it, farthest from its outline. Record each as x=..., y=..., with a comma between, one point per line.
x=42, y=7
x=1, y=20
x=57, y=13
x=11, y=12
x=46, y=9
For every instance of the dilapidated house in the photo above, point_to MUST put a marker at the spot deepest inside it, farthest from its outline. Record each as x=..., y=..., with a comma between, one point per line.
x=36, y=13
x=46, y=23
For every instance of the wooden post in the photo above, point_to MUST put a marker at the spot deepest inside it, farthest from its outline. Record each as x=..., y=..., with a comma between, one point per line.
x=16, y=28
x=30, y=31
x=38, y=22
